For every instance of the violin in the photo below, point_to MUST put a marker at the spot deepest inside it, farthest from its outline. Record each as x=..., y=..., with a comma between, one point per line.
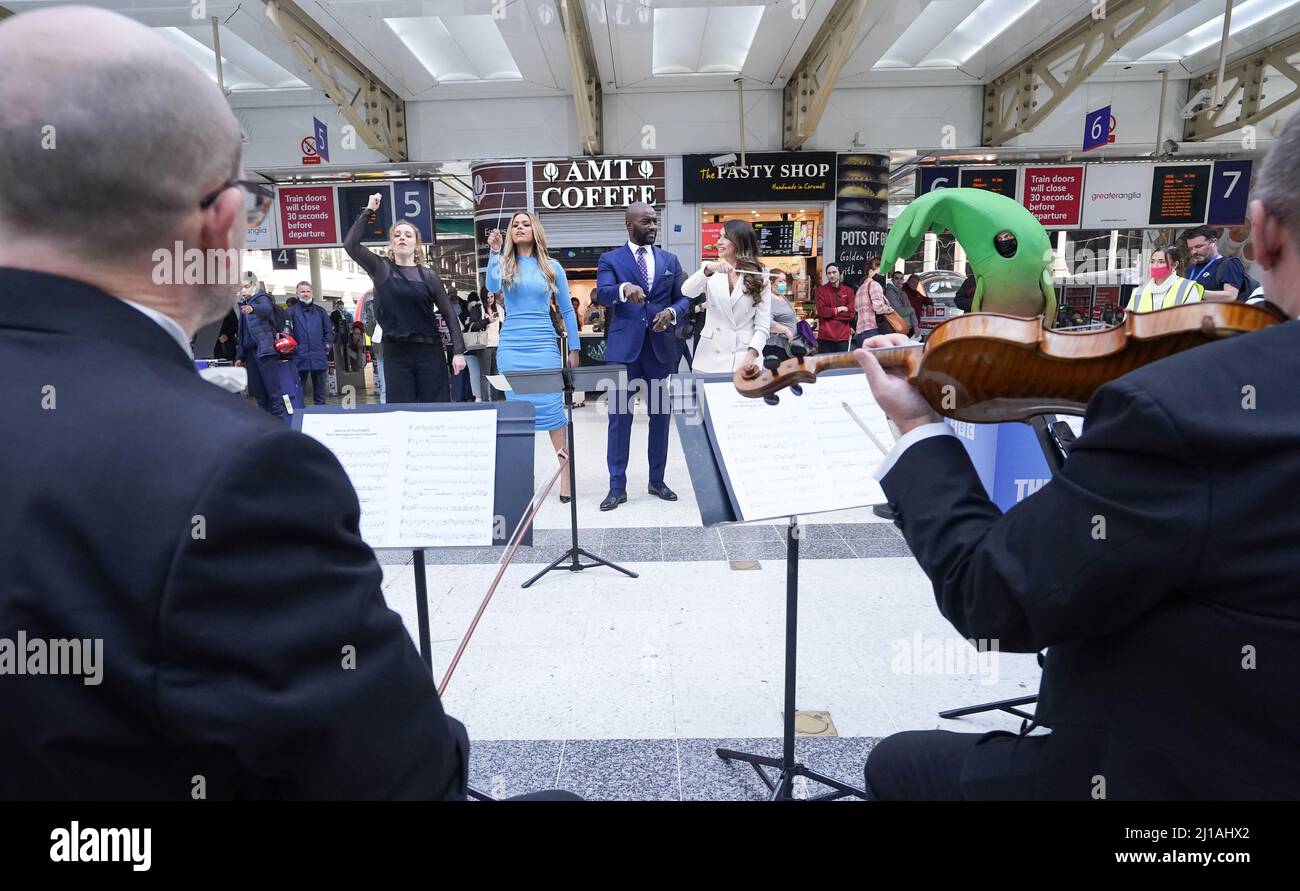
x=989, y=368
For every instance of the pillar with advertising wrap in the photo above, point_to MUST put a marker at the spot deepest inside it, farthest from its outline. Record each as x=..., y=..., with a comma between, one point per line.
x=861, y=212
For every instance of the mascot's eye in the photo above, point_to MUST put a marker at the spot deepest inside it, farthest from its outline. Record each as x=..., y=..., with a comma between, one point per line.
x=1005, y=243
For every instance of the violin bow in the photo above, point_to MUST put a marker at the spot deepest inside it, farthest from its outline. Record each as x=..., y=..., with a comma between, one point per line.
x=525, y=522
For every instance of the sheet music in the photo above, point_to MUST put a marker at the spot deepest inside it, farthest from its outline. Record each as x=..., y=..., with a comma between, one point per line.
x=804, y=455
x=424, y=479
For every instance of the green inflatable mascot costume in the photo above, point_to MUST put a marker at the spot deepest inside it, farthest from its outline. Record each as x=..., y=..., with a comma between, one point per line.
x=1007, y=247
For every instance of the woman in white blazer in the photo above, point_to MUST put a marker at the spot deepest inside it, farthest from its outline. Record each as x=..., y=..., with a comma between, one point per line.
x=738, y=307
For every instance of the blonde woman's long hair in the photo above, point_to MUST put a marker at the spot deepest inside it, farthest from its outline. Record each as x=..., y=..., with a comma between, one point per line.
x=510, y=266
x=419, y=253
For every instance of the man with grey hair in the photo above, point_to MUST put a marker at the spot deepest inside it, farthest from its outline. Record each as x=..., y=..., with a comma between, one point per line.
x=248, y=650
x=1158, y=568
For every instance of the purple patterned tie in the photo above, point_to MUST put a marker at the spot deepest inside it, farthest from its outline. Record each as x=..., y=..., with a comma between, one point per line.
x=640, y=262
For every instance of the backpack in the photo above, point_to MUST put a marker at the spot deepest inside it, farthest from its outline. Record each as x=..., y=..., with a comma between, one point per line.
x=1248, y=284
x=278, y=316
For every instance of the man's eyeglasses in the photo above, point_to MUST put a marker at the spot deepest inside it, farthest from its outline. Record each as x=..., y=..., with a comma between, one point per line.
x=257, y=199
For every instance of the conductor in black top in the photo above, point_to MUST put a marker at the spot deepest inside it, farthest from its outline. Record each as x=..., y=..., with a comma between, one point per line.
x=413, y=308
x=1158, y=568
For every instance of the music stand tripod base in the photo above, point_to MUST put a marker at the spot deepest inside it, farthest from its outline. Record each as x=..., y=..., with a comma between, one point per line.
x=786, y=766
x=569, y=380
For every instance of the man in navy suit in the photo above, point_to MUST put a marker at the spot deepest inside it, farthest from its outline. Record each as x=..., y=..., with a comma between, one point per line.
x=641, y=286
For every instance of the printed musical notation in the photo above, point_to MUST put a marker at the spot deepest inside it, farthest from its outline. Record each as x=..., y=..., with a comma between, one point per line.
x=424, y=480
x=804, y=455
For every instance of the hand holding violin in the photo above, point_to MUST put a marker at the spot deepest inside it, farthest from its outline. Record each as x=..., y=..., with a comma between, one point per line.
x=902, y=402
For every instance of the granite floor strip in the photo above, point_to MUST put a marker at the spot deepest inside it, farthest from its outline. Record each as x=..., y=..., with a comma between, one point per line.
x=651, y=544
x=656, y=769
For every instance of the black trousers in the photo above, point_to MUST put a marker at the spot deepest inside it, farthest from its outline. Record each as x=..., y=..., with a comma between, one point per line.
x=939, y=765
x=318, y=389
x=832, y=346
x=862, y=336
x=415, y=372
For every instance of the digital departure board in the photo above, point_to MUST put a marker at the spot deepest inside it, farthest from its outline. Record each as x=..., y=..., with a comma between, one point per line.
x=1179, y=193
x=1001, y=180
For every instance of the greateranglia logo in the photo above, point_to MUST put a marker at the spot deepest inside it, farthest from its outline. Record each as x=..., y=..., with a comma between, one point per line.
x=89, y=845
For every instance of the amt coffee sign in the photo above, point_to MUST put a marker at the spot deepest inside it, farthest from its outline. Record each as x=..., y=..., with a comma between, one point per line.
x=597, y=183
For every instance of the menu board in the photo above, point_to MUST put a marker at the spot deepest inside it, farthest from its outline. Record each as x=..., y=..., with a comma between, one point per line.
x=1179, y=194
x=787, y=238
x=776, y=238
x=1001, y=180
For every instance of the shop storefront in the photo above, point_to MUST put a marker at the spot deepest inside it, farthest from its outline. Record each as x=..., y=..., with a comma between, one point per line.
x=786, y=196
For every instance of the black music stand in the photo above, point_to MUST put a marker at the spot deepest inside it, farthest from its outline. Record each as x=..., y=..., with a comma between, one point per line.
x=513, y=493
x=716, y=507
x=1055, y=438
x=567, y=381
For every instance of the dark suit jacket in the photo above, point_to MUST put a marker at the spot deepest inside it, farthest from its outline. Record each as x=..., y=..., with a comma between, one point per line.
x=1159, y=567
x=628, y=322
x=217, y=556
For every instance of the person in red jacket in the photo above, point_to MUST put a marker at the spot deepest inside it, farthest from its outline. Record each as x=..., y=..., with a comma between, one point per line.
x=834, y=313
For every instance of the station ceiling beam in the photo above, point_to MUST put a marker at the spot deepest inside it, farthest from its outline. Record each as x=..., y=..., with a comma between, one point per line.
x=370, y=105
x=808, y=91
x=1244, y=80
x=584, y=77
x=1018, y=100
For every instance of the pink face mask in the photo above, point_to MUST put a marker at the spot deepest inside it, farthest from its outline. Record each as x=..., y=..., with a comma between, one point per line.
x=1159, y=272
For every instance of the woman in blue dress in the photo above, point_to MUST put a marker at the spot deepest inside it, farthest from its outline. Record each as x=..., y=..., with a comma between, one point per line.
x=522, y=271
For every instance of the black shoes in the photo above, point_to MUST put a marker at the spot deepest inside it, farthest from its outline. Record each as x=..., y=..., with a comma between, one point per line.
x=662, y=491
x=613, y=500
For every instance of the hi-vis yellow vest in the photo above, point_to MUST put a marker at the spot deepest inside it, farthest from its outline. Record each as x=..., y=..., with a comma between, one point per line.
x=1181, y=291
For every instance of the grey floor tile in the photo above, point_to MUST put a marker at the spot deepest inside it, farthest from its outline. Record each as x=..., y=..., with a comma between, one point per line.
x=686, y=553
x=693, y=536
x=756, y=532
x=460, y=556
x=621, y=769
x=706, y=777
x=631, y=552
x=880, y=548
x=393, y=558
x=865, y=531
x=825, y=549
x=636, y=534
x=838, y=757
x=503, y=768
x=755, y=550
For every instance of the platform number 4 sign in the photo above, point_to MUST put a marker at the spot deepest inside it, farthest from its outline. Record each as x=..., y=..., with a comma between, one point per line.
x=1098, y=128
x=284, y=259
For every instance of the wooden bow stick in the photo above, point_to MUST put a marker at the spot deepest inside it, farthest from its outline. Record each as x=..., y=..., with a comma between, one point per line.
x=525, y=522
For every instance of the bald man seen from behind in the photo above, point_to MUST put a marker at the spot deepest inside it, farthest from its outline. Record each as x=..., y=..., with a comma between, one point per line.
x=183, y=577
